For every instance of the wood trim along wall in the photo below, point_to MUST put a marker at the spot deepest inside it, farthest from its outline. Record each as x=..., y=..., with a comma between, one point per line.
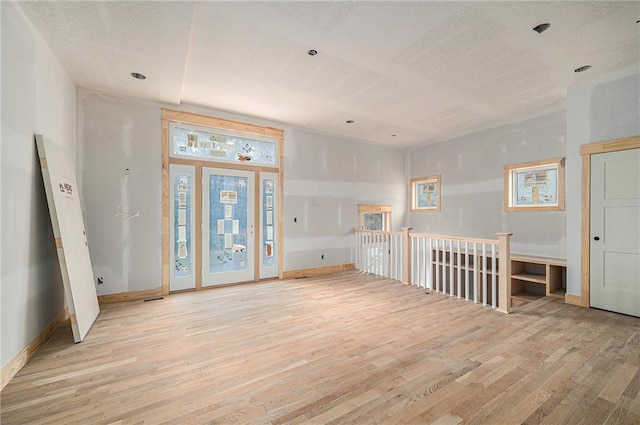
x=412, y=184
x=170, y=115
x=226, y=165
x=611, y=146
x=371, y=208
x=198, y=203
x=374, y=208
x=165, y=206
x=207, y=121
x=573, y=299
x=13, y=367
x=280, y=205
x=317, y=271
x=585, y=227
x=130, y=296
x=507, y=176
x=257, y=248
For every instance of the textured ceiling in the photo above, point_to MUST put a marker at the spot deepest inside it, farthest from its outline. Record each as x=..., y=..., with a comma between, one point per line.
x=422, y=71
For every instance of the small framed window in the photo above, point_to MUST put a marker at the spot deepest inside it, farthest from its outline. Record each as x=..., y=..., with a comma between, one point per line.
x=374, y=217
x=425, y=194
x=534, y=186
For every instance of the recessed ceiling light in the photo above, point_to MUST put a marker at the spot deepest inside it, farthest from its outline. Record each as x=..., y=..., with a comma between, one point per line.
x=541, y=28
x=582, y=68
x=138, y=76
x=312, y=52
x=349, y=121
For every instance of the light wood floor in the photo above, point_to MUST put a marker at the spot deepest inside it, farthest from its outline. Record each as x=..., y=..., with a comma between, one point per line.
x=349, y=348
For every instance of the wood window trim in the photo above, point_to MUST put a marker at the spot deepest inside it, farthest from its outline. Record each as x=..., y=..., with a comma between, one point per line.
x=171, y=115
x=373, y=208
x=412, y=200
x=585, y=240
x=508, y=169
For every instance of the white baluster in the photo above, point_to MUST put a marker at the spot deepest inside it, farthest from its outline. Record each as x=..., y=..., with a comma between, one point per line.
x=437, y=265
x=430, y=265
x=493, y=275
x=366, y=253
x=452, y=260
x=380, y=254
x=387, y=254
x=444, y=267
x=459, y=269
x=484, y=274
x=394, y=257
x=425, y=258
x=475, y=273
x=466, y=270
x=418, y=259
x=370, y=254
x=398, y=257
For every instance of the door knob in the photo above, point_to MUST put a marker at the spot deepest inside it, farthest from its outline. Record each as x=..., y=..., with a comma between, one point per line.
x=597, y=238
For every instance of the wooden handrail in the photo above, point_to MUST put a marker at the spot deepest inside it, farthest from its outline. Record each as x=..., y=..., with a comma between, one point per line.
x=455, y=238
x=378, y=232
x=500, y=249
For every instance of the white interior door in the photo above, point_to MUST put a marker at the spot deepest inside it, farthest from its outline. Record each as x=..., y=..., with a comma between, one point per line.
x=268, y=225
x=615, y=231
x=58, y=172
x=228, y=202
x=182, y=256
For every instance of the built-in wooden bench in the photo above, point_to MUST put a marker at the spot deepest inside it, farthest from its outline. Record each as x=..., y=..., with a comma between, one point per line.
x=536, y=277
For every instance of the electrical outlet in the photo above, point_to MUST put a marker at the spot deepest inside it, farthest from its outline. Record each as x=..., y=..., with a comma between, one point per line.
x=100, y=280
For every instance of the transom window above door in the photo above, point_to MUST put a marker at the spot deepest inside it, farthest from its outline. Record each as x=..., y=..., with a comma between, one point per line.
x=191, y=141
x=374, y=217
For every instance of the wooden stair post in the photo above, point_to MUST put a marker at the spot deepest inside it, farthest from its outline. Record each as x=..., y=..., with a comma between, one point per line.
x=504, y=272
x=406, y=256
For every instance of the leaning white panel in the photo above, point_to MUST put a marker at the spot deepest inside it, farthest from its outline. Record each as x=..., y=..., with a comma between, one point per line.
x=59, y=176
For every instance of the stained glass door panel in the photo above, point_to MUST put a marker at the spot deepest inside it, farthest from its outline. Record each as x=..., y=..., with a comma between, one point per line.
x=228, y=226
x=269, y=225
x=181, y=228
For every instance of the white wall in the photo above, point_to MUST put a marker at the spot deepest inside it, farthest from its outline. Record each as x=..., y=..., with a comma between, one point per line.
x=472, y=183
x=602, y=109
x=325, y=178
x=115, y=134
x=37, y=97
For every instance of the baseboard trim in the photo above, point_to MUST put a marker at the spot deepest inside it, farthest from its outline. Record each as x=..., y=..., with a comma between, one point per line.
x=13, y=367
x=573, y=300
x=316, y=271
x=129, y=296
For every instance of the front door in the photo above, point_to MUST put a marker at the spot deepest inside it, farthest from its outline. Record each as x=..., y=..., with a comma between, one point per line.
x=615, y=231
x=228, y=206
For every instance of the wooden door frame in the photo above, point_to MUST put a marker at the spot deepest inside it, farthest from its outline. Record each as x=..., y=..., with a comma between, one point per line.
x=585, y=229
x=170, y=115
